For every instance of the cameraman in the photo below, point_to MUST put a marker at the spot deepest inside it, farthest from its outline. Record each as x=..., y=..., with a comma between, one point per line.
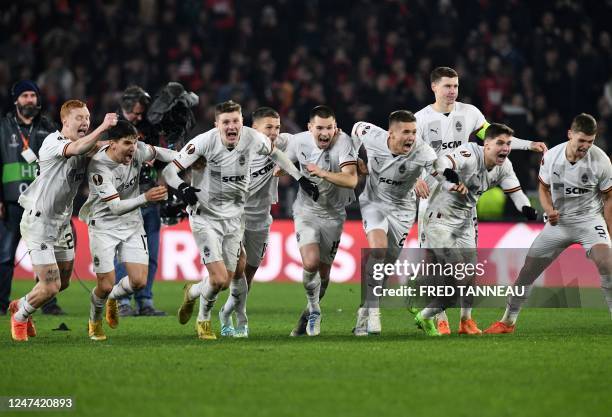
x=134, y=104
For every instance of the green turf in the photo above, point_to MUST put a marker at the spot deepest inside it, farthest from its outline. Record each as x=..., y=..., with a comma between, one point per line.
x=558, y=363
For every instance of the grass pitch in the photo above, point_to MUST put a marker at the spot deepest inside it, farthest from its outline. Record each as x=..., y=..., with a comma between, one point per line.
x=557, y=363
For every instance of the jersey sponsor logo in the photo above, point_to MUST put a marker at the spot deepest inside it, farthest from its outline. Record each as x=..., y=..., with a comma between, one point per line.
x=575, y=191
x=389, y=181
x=127, y=185
x=263, y=171
x=233, y=178
x=458, y=126
x=465, y=154
x=190, y=149
x=451, y=145
x=97, y=179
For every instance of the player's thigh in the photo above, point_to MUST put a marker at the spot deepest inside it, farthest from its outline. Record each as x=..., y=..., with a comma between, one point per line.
x=551, y=241
x=307, y=230
x=255, y=243
x=103, y=246
x=399, y=227
x=134, y=253
x=593, y=233
x=233, y=231
x=208, y=236
x=331, y=231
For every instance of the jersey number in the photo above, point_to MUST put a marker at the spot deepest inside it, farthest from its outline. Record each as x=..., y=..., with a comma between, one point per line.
x=69, y=240
x=144, y=242
x=402, y=240
x=601, y=231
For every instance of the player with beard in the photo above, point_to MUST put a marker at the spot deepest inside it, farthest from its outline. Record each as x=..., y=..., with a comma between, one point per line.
x=327, y=156
x=449, y=224
x=45, y=225
x=21, y=135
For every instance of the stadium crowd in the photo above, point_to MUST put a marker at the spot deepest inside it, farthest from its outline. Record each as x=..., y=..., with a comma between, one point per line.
x=528, y=64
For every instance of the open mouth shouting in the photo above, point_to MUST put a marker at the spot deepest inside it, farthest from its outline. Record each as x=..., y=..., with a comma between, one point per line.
x=501, y=157
x=231, y=137
x=324, y=141
x=82, y=130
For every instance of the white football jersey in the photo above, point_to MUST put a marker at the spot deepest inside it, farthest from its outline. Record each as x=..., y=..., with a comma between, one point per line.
x=332, y=199
x=576, y=188
x=225, y=181
x=108, y=180
x=468, y=162
x=263, y=189
x=52, y=192
x=391, y=177
x=446, y=133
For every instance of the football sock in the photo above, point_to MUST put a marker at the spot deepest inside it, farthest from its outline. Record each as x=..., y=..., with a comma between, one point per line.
x=121, y=289
x=514, y=305
x=207, y=300
x=466, y=313
x=25, y=310
x=96, y=307
x=240, y=293
x=431, y=312
x=442, y=316
x=371, y=300
x=312, y=285
x=195, y=290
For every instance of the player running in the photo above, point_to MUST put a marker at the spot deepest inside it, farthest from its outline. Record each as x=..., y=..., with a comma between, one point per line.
x=217, y=198
x=328, y=157
x=263, y=192
x=47, y=203
x=449, y=223
x=445, y=125
x=576, y=193
x=115, y=224
x=396, y=159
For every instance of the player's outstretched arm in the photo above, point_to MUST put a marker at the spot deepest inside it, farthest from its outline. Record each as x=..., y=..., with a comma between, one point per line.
x=119, y=207
x=164, y=155
x=287, y=166
x=522, y=204
x=516, y=143
x=547, y=204
x=86, y=143
x=346, y=178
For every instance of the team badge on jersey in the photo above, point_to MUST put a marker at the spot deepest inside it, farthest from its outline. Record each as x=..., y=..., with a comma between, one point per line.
x=584, y=178
x=206, y=251
x=190, y=149
x=96, y=261
x=402, y=169
x=43, y=246
x=465, y=154
x=458, y=126
x=97, y=179
x=241, y=160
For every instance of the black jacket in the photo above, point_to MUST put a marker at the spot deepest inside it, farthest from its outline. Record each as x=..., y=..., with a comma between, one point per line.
x=15, y=173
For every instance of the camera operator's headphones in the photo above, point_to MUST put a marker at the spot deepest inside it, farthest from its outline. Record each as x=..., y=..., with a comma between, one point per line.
x=132, y=95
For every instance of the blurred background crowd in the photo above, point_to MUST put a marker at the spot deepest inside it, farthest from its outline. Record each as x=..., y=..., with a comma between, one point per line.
x=533, y=65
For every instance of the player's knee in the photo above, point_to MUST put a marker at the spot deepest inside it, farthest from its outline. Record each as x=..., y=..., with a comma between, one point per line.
x=311, y=264
x=138, y=284
x=105, y=287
